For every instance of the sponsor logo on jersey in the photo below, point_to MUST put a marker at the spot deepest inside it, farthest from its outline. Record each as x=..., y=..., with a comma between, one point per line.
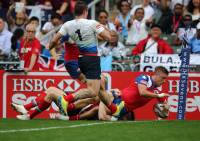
x=143, y=82
x=98, y=26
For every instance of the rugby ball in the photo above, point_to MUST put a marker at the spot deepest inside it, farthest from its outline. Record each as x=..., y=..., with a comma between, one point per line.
x=157, y=108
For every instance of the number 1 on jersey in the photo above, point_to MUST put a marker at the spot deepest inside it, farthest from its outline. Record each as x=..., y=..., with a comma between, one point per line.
x=79, y=34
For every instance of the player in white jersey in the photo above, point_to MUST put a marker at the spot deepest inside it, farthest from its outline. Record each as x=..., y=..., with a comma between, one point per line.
x=83, y=33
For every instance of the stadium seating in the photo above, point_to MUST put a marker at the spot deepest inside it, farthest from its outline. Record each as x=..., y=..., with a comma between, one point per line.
x=121, y=38
x=168, y=38
x=176, y=49
x=129, y=50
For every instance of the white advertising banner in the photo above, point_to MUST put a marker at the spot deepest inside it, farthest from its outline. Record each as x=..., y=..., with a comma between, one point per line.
x=171, y=62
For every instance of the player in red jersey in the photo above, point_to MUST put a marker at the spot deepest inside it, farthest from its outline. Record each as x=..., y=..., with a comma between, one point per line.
x=30, y=49
x=142, y=90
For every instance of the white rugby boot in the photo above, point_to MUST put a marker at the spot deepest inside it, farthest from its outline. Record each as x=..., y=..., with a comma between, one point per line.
x=61, y=117
x=19, y=108
x=23, y=117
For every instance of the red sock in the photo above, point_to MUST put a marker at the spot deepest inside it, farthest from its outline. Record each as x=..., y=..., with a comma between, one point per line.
x=41, y=107
x=69, y=98
x=77, y=117
x=35, y=102
x=112, y=107
x=71, y=107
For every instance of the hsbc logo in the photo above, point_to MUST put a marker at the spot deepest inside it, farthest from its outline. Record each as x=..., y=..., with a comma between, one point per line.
x=68, y=85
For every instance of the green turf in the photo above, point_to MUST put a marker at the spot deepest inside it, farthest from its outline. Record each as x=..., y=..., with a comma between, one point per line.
x=116, y=131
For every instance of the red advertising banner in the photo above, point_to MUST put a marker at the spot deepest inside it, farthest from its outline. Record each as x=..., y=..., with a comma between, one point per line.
x=21, y=89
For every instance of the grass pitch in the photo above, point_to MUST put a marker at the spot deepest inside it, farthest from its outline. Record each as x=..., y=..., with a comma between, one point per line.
x=55, y=130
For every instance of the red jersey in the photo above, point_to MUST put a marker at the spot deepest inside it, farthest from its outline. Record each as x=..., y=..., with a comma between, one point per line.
x=131, y=96
x=27, y=49
x=71, y=51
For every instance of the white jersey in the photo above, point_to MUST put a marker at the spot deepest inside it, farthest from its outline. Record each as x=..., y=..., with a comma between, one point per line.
x=83, y=33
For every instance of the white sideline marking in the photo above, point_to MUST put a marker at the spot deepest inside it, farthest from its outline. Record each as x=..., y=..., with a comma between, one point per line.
x=59, y=127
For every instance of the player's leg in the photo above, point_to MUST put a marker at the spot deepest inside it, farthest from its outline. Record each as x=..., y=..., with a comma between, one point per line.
x=52, y=94
x=90, y=66
x=104, y=97
x=104, y=113
x=85, y=115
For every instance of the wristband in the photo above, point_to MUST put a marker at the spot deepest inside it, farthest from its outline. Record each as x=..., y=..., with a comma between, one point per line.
x=160, y=95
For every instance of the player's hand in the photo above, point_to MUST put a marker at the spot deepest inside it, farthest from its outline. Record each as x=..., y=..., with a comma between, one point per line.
x=47, y=46
x=118, y=93
x=166, y=108
x=165, y=94
x=26, y=70
x=56, y=56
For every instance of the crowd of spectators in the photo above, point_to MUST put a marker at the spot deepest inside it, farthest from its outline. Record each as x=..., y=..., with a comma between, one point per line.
x=133, y=26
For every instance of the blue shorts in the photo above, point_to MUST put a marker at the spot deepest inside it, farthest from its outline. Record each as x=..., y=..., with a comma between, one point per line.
x=117, y=101
x=72, y=68
x=90, y=66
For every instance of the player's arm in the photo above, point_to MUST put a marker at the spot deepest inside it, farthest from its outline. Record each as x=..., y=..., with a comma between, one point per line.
x=54, y=40
x=105, y=35
x=145, y=93
x=103, y=112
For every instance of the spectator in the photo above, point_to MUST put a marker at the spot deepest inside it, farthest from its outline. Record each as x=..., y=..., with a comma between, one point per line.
x=194, y=8
x=103, y=19
x=30, y=49
x=181, y=31
x=19, y=22
x=170, y=23
x=16, y=39
x=5, y=38
x=138, y=29
x=61, y=7
x=59, y=50
x=120, y=20
x=148, y=10
x=174, y=2
x=194, y=43
x=152, y=44
x=113, y=47
x=34, y=20
x=156, y=5
x=48, y=26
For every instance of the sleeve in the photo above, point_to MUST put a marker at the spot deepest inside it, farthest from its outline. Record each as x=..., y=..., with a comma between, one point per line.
x=7, y=45
x=142, y=79
x=190, y=44
x=64, y=29
x=136, y=50
x=45, y=26
x=166, y=48
x=133, y=11
x=36, y=49
x=96, y=27
x=64, y=39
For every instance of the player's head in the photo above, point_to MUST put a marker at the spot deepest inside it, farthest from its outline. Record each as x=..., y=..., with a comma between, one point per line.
x=178, y=9
x=129, y=116
x=187, y=17
x=34, y=20
x=103, y=17
x=81, y=9
x=30, y=31
x=139, y=14
x=55, y=18
x=159, y=76
x=123, y=6
x=198, y=29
